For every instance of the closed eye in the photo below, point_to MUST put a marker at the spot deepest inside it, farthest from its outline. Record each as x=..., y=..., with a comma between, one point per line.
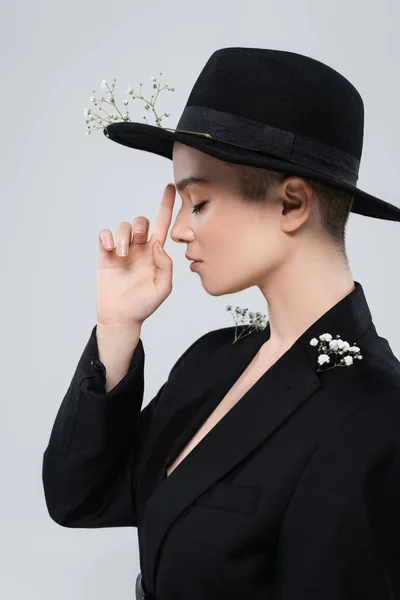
x=197, y=208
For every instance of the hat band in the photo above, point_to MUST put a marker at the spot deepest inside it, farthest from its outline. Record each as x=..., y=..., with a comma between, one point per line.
x=254, y=135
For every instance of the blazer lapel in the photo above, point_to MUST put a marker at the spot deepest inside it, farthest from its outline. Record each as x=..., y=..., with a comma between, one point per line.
x=265, y=406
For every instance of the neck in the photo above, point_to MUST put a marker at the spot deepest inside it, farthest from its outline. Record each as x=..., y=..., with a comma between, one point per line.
x=303, y=290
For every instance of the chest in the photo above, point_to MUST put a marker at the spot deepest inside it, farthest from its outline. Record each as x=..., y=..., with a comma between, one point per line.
x=256, y=369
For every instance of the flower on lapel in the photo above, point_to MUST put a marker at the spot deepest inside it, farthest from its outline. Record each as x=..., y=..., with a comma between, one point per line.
x=337, y=347
x=92, y=117
x=257, y=320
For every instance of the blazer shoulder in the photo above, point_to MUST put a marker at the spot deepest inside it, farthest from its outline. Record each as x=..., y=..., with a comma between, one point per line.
x=380, y=367
x=371, y=427
x=206, y=342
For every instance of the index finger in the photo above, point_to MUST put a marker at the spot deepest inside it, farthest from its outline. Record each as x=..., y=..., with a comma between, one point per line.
x=164, y=215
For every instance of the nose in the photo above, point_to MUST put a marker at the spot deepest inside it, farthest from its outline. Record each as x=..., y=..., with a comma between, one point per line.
x=181, y=233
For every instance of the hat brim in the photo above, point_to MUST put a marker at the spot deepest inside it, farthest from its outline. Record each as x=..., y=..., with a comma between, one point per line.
x=159, y=141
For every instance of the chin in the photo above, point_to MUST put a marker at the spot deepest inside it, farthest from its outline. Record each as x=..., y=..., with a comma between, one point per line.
x=229, y=288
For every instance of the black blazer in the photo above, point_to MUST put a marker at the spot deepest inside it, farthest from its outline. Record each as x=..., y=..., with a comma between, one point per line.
x=293, y=495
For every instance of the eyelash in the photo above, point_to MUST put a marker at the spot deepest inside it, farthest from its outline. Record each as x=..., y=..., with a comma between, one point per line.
x=197, y=208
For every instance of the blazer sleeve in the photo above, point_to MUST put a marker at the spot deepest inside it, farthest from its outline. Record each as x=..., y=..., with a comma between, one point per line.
x=340, y=538
x=96, y=442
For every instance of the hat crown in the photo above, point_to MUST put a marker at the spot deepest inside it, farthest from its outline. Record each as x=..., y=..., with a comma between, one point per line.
x=285, y=90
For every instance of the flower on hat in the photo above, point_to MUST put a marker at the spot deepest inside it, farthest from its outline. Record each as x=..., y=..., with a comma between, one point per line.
x=337, y=347
x=92, y=117
x=257, y=320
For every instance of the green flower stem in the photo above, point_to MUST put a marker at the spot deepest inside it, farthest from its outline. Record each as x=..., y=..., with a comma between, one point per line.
x=154, y=101
x=333, y=367
x=186, y=131
x=149, y=102
x=99, y=116
x=113, y=104
x=111, y=90
x=110, y=122
x=241, y=336
x=101, y=108
x=251, y=327
x=92, y=112
x=328, y=352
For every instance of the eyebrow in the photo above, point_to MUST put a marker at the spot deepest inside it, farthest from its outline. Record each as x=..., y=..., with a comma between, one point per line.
x=192, y=180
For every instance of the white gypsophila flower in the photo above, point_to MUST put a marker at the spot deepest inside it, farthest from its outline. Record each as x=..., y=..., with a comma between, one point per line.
x=336, y=347
x=325, y=337
x=257, y=320
x=126, y=102
x=86, y=112
x=129, y=90
x=104, y=84
x=92, y=99
x=354, y=349
x=348, y=360
x=333, y=345
x=323, y=358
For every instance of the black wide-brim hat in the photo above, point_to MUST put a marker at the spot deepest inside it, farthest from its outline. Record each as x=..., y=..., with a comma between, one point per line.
x=272, y=109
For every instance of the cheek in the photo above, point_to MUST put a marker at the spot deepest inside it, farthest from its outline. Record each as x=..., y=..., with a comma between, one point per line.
x=212, y=233
x=232, y=238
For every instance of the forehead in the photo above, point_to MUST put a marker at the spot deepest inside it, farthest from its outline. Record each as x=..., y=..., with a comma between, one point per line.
x=194, y=169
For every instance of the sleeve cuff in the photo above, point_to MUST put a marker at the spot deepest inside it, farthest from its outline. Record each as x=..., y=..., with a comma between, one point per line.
x=92, y=375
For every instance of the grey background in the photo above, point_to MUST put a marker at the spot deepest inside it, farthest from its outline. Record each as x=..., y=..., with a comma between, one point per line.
x=59, y=188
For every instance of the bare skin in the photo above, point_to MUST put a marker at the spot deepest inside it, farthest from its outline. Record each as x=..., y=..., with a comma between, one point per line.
x=280, y=248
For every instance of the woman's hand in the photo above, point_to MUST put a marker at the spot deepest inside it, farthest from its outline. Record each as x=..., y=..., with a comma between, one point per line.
x=130, y=288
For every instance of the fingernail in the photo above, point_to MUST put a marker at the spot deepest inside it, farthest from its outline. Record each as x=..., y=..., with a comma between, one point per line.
x=138, y=229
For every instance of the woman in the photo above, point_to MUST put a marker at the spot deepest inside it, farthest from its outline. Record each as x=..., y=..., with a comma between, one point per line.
x=268, y=464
